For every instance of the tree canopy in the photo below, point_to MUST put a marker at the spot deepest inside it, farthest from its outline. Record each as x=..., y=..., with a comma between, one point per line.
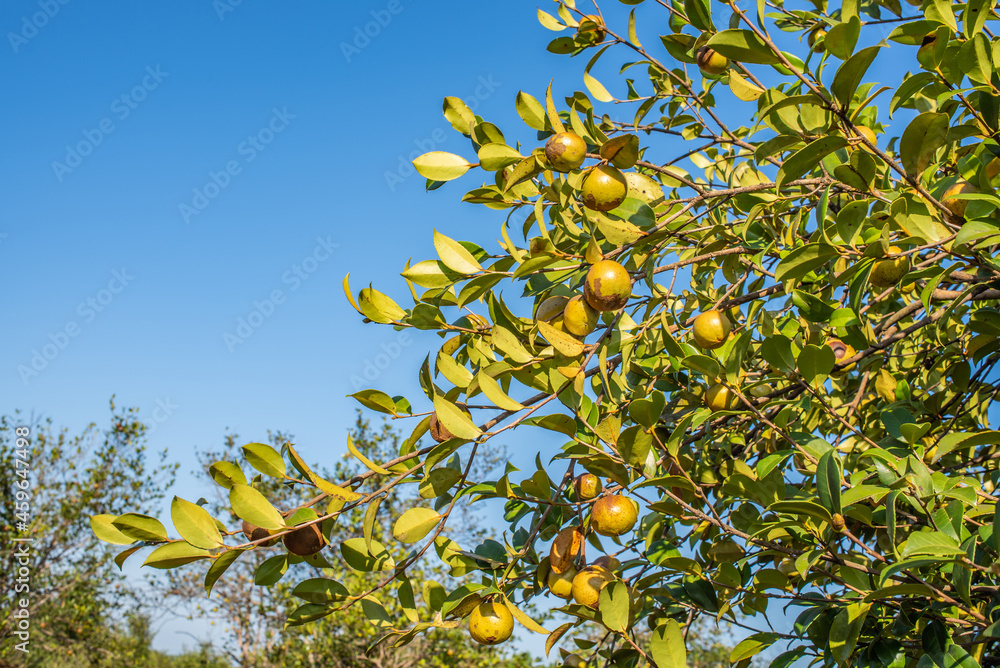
x=763, y=351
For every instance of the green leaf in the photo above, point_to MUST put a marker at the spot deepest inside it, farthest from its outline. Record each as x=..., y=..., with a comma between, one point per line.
x=252, y=506
x=495, y=156
x=800, y=261
x=841, y=39
x=379, y=307
x=828, y=481
x=922, y=137
x=531, y=111
x=491, y=388
x=454, y=255
x=526, y=621
x=194, y=524
x=173, y=555
x=744, y=46
x=227, y=474
x=219, y=566
x=438, y=482
x=140, y=527
x=703, y=364
x=271, y=570
x=321, y=591
x=845, y=630
x=851, y=73
x=752, y=646
x=777, y=351
x=808, y=158
x=933, y=543
x=816, y=362
x=362, y=558
x=414, y=524
x=667, y=645
x=103, y=528
x=454, y=420
x=265, y=459
x=564, y=343
x=614, y=606
x=441, y=166
x=459, y=115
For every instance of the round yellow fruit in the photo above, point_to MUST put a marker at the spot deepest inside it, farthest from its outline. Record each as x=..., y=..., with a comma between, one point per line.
x=814, y=39
x=888, y=272
x=957, y=206
x=579, y=317
x=490, y=623
x=711, y=329
x=604, y=188
x=304, y=542
x=551, y=308
x=719, y=398
x=561, y=584
x=868, y=134
x=588, y=583
x=608, y=286
x=565, y=151
x=711, y=61
x=613, y=515
x=591, y=29
x=587, y=486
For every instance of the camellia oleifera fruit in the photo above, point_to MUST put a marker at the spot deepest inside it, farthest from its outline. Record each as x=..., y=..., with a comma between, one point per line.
x=613, y=515
x=591, y=29
x=958, y=206
x=588, y=583
x=711, y=61
x=579, y=317
x=719, y=398
x=490, y=623
x=604, y=188
x=565, y=151
x=888, y=272
x=608, y=286
x=561, y=584
x=304, y=542
x=587, y=487
x=254, y=532
x=842, y=351
x=711, y=329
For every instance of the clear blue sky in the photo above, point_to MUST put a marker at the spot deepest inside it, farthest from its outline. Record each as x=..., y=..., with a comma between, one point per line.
x=167, y=168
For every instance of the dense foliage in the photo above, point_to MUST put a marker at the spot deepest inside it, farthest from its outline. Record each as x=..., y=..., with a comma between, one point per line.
x=776, y=336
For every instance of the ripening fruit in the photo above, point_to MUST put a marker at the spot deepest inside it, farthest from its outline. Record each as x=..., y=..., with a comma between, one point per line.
x=868, y=134
x=887, y=273
x=838, y=522
x=561, y=584
x=588, y=583
x=604, y=188
x=788, y=568
x=579, y=317
x=957, y=206
x=613, y=515
x=719, y=398
x=490, y=623
x=608, y=286
x=711, y=62
x=551, y=308
x=711, y=329
x=254, y=532
x=815, y=39
x=587, y=486
x=842, y=351
x=591, y=29
x=304, y=542
x=607, y=562
x=565, y=151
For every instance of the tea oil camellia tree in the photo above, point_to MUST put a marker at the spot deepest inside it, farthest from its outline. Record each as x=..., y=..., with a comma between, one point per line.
x=819, y=444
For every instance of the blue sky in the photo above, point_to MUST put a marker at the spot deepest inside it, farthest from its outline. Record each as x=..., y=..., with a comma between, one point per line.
x=174, y=170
